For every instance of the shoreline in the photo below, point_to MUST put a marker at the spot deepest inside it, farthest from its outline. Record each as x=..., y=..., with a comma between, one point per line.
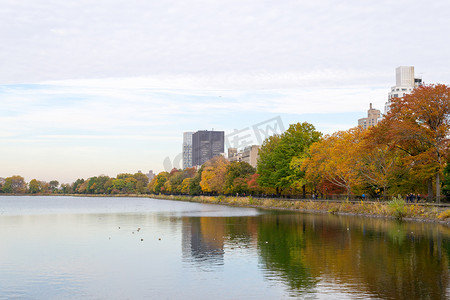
x=429, y=214
x=410, y=212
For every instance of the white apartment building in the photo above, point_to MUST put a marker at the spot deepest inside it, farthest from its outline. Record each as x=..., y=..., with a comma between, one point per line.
x=405, y=82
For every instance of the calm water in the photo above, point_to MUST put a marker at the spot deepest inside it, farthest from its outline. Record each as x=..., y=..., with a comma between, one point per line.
x=137, y=248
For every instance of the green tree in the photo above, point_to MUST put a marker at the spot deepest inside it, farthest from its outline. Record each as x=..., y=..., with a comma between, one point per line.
x=124, y=175
x=194, y=184
x=446, y=182
x=277, y=152
x=34, y=186
x=142, y=182
x=118, y=185
x=236, y=177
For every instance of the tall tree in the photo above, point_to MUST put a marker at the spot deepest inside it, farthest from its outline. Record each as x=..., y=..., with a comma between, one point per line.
x=213, y=175
x=419, y=124
x=336, y=158
x=237, y=175
x=277, y=152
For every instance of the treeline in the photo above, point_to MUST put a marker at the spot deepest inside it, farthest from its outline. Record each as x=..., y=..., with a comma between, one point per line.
x=123, y=183
x=406, y=154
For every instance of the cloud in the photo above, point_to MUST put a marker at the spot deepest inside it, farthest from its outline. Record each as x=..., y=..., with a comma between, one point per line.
x=116, y=38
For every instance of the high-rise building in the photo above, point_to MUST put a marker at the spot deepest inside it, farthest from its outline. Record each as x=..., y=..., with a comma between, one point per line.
x=187, y=150
x=206, y=145
x=405, y=82
x=373, y=116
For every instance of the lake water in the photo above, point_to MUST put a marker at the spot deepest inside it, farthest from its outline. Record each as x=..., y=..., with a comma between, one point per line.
x=141, y=248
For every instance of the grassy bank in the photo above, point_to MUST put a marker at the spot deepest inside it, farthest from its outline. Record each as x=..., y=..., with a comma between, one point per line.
x=396, y=208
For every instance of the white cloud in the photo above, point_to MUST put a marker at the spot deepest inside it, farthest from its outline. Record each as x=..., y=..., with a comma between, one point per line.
x=115, y=38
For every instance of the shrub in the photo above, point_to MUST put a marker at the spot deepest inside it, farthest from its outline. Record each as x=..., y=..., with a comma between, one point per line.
x=397, y=207
x=444, y=215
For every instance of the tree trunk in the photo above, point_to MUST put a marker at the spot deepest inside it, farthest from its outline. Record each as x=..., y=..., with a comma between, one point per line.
x=430, y=190
x=304, y=191
x=438, y=188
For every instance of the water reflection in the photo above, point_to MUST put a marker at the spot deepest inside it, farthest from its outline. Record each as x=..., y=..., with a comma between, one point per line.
x=225, y=254
x=373, y=257
x=313, y=254
x=203, y=240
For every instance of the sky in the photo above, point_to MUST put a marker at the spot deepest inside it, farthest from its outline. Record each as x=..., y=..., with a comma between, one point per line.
x=109, y=86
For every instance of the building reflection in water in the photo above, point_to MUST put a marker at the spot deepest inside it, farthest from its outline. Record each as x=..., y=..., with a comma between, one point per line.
x=203, y=241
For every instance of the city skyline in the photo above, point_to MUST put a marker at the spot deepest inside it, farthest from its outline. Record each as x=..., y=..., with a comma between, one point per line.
x=110, y=87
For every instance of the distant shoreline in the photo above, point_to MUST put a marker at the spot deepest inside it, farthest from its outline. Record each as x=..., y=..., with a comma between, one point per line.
x=407, y=212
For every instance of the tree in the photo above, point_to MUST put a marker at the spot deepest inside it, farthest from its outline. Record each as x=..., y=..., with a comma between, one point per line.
x=118, y=185
x=446, y=181
x=142, y=182
x=336, y=159
x=157, y=184
x=236, y=177
x=15, y=185
x=185, y=185
x=53, y=185
x=277, y=152
x=34, y=186
x=213, y=175
x=82, y=186
x=419, y=125
x=380, y=164
x=66, y=188
x=76, y=184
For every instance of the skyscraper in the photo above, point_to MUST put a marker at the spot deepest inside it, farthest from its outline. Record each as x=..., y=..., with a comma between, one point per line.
x=187, y=150
x=405, y=82
x=206, y=145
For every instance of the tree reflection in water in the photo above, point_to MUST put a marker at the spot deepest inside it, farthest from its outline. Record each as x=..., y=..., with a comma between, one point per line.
x=372, y=257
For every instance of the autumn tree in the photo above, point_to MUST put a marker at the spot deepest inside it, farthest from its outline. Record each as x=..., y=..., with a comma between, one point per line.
x=237, y=175
x=14, y=185
x=76, y=184
x=419, y=125
x=213, y=175
x=380, y=165
x=277, y=152
x=336, y=159
x=157, y=184
x=34, y=186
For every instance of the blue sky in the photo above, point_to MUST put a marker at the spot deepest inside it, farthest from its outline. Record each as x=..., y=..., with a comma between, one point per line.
x=108, y=87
